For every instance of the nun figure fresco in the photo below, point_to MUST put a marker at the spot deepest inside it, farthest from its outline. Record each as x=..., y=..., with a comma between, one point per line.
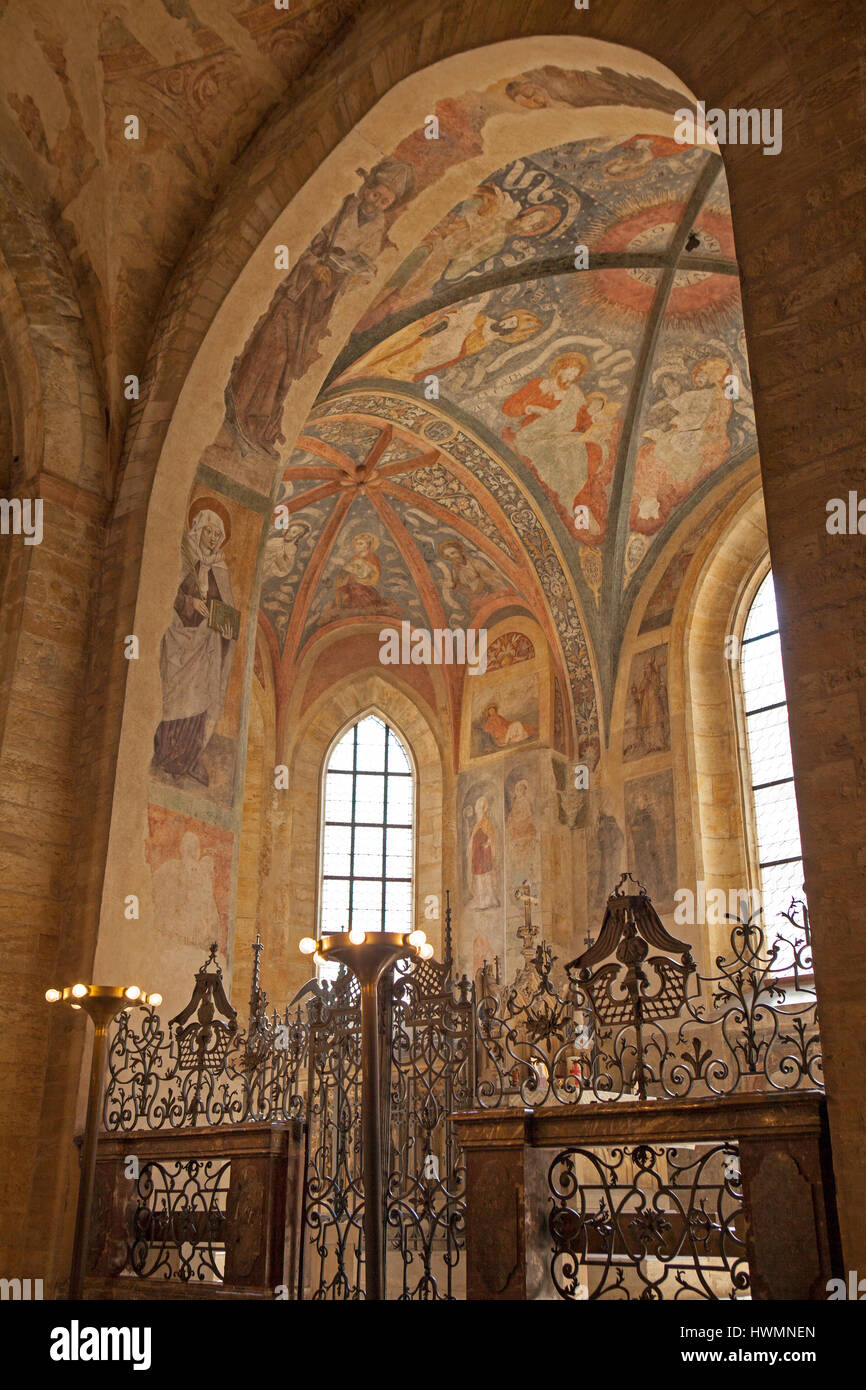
x=198, y=646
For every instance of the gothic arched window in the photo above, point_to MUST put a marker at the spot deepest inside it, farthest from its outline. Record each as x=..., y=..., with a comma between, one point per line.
x=367, y=832
x=771, y=770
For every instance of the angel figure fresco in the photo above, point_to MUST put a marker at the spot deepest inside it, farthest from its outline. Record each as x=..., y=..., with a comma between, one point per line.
x=687, y=438
x=198, y=647
x=492, y=219
x=632, y=159
x=285, y=341
x=478, y=229
x=481, y=857
x=597, y=433
x=453, y=336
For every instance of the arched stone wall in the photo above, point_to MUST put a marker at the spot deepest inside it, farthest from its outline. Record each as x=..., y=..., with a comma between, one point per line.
x=810, y=414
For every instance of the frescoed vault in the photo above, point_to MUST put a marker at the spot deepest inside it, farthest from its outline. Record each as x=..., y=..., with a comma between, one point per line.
x=528, y=409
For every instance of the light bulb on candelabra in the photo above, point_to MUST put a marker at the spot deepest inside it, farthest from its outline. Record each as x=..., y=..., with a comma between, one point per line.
x=426, y=950
x=79, y=991
x=132, y=992
x=417, y=939
x=52, y=995
x=307, y=945
x=357, y=936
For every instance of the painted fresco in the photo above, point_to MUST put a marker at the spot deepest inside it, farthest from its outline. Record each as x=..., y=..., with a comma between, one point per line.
x=481, y=837
x=541, y=206
x=698, y=413
x=201, y=652
x=464, y=575
x=190, y=863
x=651, y=836
x=499, y=843
x=509, y=649
x=284, y=342
x=287, y=553
x=439, y=484
x=546, y=366
x=605, y=858
x=647, y=719
x=365, y=575
x=505, y=713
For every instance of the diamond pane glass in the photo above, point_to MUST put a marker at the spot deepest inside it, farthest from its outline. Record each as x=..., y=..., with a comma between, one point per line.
x=397, y=760
x=780, y=883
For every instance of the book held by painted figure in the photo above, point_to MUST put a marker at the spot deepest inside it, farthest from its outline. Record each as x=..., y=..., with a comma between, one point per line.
x=224, y=618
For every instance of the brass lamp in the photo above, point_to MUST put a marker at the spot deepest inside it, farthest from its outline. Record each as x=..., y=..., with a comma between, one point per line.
x=369, y=955
x=102, y=1003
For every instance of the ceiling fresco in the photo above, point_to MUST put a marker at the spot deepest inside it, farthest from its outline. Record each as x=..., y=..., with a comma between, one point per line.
x=527, y=410
x=522, y=419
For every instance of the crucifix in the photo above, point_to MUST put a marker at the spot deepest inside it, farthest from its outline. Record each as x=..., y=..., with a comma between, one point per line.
x=527, y=932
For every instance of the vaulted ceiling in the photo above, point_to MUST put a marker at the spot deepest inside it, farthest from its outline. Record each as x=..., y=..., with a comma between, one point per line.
x=538, y=396
x=201, y=79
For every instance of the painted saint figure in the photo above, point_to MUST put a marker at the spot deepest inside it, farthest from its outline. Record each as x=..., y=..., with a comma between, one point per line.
x=183, y=895
x=506, y=732
x=481, y=856
x=651, y=711
x=197, y=648
x=285, y=340
x=466, y=579
x=520, y=824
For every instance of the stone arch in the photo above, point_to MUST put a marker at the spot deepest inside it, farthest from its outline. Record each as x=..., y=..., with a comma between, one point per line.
x=710, y=612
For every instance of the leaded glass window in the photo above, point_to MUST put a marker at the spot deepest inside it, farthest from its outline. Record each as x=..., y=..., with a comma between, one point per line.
x=368, y=830
x=772, y=773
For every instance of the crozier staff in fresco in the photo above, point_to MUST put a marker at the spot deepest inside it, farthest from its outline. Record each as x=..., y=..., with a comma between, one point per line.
x=285, y=340
x=481, y=858
x=197, y=649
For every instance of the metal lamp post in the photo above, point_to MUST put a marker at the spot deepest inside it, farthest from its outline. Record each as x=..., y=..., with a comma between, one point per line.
x=369, y=955
x=101, y=1003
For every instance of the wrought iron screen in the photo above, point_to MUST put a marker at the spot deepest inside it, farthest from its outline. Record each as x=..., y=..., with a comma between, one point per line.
x=630, y=1019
